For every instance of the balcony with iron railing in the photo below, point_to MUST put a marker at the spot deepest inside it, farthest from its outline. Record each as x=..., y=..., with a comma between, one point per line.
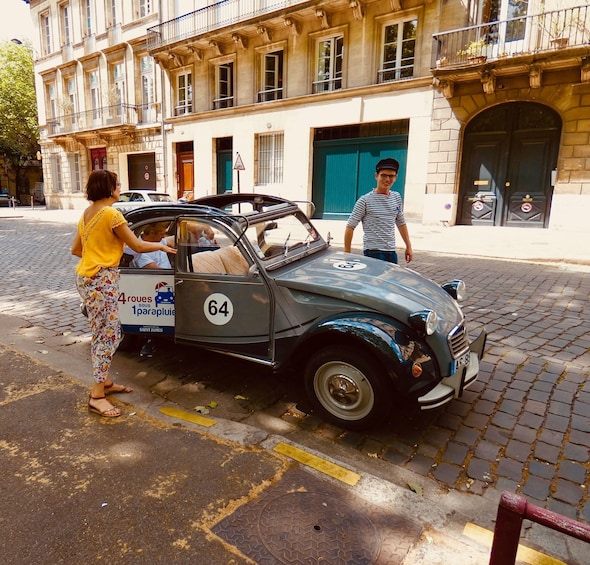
x=223, y=102
x=270, y=94
x=101, y=118
x=327, y=85
x=211, y=18
x=526, y=35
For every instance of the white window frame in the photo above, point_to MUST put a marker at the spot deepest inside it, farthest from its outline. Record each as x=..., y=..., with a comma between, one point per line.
x=224, y=85
x=94, y=94
x=270, y=158
x=51, y=100
x=65, y=12
x=88, y=17
x=394, y=66
x=75, y=172
x=71, y=93
x=146, y=79
x=119, y=86
x=145, y=8
x=113, y=12
x=45, y=18
x=329, y=66
x=272, y=80
x=184, y=93
x=56, y=174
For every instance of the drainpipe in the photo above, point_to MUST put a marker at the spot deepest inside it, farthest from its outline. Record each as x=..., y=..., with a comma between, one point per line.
x=163, y=114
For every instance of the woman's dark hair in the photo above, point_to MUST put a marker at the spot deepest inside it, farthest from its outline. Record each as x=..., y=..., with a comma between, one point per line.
x=101, y=184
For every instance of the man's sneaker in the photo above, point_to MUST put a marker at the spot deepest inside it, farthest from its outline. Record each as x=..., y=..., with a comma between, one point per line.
x=148, y=349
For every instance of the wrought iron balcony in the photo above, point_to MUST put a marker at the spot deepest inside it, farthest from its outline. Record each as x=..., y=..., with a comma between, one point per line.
x=270, y=94
x=327, y=85
x=99, y=118
x=211, y=18
x=525, y=35
x=223, y=102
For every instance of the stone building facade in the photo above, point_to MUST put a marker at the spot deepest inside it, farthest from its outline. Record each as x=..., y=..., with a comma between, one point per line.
x=484, y=103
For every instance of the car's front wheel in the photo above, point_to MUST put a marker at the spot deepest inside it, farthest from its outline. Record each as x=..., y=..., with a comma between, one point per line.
x=347, y=387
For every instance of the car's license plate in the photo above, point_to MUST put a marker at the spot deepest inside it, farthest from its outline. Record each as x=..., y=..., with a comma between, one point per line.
x=462, y=361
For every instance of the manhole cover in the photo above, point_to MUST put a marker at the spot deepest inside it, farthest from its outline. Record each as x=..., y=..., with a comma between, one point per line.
x=304, y=519
x=300, y=525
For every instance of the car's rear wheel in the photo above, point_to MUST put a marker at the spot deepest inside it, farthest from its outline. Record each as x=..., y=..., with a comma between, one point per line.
x=347, y=387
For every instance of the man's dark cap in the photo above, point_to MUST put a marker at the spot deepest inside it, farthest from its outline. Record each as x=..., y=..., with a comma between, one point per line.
x=388, y=163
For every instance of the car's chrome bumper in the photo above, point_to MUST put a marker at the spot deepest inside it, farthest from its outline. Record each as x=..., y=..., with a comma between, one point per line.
x=453, y=386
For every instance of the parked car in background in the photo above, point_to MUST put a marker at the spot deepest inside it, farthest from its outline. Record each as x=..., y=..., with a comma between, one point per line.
x=362, y=334
x=131, y=199
x=6, y=200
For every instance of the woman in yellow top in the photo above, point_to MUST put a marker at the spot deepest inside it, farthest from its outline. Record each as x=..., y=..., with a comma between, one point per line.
x=102, y=234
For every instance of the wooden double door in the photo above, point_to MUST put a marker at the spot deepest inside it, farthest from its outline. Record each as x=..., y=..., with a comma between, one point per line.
x=509, y=155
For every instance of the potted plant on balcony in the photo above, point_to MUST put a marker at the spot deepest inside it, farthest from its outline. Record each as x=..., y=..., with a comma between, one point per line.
x=474, y=51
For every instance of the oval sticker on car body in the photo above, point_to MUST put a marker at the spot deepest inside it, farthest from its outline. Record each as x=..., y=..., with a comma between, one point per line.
x=349, y=265
x=218, y=309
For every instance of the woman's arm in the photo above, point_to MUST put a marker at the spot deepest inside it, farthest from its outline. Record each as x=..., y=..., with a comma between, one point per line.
x=77, y=246
x=124, y=233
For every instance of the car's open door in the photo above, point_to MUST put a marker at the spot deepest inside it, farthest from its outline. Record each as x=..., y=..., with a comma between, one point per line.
x=220, y=301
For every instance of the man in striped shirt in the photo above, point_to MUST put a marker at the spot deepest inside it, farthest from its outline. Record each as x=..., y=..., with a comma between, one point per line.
x=380, y=211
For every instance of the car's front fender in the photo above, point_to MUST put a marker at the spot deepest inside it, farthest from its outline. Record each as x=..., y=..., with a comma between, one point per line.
x=406, y=359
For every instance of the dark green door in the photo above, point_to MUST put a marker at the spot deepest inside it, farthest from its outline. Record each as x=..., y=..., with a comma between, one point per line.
x=483, y=168
x=344, y=169
x=509, y=152
x=224, y=150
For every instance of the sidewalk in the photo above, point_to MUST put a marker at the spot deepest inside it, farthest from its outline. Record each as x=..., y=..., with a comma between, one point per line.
x=164, y=485
x=523, y=244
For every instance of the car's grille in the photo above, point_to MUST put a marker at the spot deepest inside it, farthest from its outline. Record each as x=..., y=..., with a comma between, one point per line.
x=458, y=341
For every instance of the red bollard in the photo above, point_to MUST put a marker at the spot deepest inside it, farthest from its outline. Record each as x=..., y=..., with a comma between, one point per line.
x=512, y=510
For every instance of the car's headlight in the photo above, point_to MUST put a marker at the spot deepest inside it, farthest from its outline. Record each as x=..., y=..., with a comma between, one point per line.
x=425, y=321
x=456, y=289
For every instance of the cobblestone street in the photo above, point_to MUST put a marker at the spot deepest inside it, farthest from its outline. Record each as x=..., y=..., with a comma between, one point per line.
x=523, y=427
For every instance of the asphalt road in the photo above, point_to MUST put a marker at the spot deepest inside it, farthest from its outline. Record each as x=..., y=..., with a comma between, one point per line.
x=524, y=426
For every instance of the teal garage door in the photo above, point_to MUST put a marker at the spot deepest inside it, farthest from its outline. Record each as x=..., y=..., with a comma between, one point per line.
x=344, y=169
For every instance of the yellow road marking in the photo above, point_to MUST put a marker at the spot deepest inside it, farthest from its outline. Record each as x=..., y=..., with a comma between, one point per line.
x=188, y=416
x=331, y=469
x=524, y=554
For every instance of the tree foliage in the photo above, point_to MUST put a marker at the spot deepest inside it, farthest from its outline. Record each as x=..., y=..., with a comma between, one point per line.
x=19, y=129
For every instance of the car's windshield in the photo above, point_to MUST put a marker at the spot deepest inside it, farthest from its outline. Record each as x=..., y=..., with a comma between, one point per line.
x=282, y=237
x=160, y=197
x=144, y=197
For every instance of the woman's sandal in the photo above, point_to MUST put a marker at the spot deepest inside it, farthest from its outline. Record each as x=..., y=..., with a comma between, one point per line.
x=111, y=412
x=114, y=388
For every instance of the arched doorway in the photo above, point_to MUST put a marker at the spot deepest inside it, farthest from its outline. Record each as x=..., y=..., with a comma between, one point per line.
x=509, y=153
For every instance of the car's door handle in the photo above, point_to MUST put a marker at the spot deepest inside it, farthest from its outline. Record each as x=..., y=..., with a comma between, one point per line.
x=179, y=281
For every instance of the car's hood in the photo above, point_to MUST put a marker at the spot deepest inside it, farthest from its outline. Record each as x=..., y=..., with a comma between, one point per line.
x=370, y=284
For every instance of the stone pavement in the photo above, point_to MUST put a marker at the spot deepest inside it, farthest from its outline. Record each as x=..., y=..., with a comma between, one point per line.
x=530, y=244
x=524, y=427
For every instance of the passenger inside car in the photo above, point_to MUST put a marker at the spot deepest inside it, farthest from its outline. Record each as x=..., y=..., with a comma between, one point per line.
x=207, y=238
x=155, y=259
